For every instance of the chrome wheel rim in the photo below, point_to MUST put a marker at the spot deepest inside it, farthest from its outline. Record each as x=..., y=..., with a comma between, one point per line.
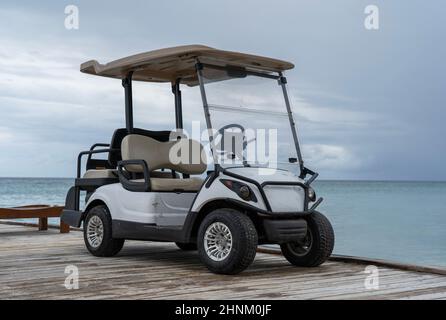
x=303, y=247
x=218, y=241
x=95, y=231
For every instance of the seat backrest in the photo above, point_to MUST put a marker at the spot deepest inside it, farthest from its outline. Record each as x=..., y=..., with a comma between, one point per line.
x=183, y=155
x=119, y=134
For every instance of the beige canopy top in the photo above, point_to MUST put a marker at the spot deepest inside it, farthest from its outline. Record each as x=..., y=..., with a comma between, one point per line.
x=169, y=64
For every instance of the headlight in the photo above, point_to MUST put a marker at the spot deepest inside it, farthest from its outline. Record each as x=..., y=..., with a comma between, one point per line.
x=311, y=194
x=242, y=190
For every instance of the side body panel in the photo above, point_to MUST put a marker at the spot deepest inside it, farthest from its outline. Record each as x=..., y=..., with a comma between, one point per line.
x=170, y=216
x=150, y=208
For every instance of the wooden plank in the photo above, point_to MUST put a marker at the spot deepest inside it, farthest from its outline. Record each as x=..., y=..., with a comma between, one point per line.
x=28, y=212
x=41, y=212
x=371, y=261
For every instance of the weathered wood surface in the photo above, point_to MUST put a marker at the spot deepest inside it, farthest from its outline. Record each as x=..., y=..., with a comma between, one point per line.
x=32, y=266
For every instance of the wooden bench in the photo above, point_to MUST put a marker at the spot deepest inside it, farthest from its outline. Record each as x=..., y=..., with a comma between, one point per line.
x=42, y=212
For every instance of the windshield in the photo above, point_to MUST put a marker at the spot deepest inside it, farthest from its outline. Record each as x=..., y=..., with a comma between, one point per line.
x=249, y=120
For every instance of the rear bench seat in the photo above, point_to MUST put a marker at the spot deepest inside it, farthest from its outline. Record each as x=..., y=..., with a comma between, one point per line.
x=114, y=157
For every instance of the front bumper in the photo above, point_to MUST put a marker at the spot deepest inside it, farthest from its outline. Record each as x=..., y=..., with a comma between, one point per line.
x=286, y=230
x=274, y=215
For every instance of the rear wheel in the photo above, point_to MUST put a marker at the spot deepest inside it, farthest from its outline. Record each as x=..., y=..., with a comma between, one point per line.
x=186, y=246
x=317, y=245
x=227, y=241
x=98, y=233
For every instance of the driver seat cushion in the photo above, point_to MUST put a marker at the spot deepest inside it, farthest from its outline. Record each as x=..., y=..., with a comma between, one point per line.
x=183, y=155
x=162, y=155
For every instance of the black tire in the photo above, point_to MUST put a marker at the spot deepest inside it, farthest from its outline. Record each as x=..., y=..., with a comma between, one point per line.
x=244, y=241
x=322, y=243
x=108, y=246
x=186, y=246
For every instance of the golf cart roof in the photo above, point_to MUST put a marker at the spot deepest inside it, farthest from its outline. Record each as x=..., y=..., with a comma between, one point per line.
x=169, y=64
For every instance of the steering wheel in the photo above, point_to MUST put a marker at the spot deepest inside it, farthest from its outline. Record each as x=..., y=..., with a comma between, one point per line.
x=232, y=154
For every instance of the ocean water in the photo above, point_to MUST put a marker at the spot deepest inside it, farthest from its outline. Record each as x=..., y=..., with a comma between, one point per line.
x=400, y=221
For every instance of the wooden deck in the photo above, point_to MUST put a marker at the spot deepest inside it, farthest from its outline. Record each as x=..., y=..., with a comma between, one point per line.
x=32, y=266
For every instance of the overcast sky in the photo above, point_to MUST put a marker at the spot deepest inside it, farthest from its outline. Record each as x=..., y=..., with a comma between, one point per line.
x=370, y=104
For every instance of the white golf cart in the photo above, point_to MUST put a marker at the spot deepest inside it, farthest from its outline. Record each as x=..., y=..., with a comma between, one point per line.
x=218, y=198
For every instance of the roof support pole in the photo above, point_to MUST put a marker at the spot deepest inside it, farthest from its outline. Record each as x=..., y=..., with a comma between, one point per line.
x=282, y=83
x=207, y=115
x=178, y=104
x=127, y=84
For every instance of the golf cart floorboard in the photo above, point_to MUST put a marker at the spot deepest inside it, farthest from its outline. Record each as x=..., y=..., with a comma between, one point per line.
x=32, y=266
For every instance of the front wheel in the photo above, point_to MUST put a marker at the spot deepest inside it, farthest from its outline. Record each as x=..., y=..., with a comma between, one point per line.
x=98, y=233
x=227, y=241
x=317, y=245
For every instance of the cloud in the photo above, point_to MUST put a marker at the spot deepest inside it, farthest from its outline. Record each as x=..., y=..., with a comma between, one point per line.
x=364, y=102
x=331, y=157
x=5, y=135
